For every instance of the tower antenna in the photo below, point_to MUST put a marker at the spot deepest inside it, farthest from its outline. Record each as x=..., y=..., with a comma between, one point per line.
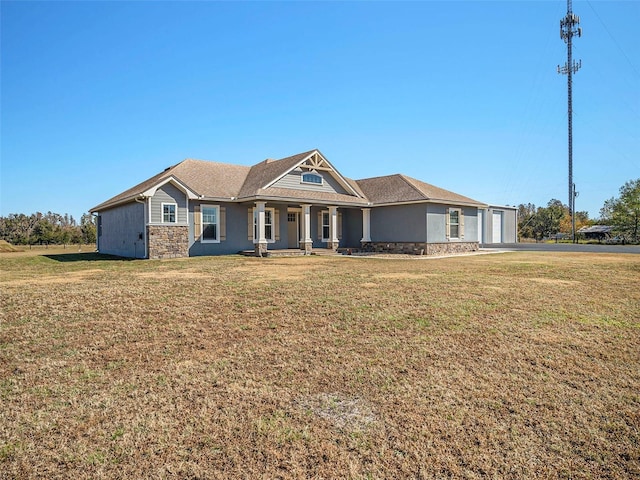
x=568, y=28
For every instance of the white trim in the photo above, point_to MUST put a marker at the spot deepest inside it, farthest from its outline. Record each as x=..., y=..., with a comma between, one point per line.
x=152, y=191
x=297, y=200
x=430, y=201
x=306, y=223
x=256, y=217
x=175, y=213
x=314, y=174
x=333, y=172
x=202, y=224
x=322, y=225
x=333, y=224
x=366, y=225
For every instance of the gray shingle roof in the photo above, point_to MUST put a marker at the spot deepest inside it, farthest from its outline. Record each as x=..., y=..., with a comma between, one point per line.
x=264, y=172
x=207, y=179
x=213, y=180
x=399, y=188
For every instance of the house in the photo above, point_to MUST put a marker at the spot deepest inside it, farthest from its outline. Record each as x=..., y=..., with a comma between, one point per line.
x=300, y=202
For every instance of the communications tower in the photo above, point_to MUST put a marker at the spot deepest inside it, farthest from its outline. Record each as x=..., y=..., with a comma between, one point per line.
x=569, y=26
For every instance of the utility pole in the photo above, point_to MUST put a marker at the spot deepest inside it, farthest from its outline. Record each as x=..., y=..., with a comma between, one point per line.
x=568, y=28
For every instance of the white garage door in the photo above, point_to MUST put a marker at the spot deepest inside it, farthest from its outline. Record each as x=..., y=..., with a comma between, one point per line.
x=497, y=227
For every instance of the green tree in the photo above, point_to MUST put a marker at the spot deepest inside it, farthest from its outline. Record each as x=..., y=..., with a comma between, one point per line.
x=547, y=219
x=526, y=215
x=623, y=213
x=88, y=228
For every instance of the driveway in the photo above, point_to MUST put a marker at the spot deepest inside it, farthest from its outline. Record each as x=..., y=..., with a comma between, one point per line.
x=562, y=247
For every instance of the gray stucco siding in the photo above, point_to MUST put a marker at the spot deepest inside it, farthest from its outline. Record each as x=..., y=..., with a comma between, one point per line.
x=236, y=232
x=398, y=223
x=169, y=193
x=351, y=227
x=470, y=224
x=436, y=223
x=293, y=180
x=123, y=231
x=419, y=223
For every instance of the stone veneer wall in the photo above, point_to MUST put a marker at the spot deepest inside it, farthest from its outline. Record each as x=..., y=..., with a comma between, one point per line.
x=168, y=241
x=418, y=248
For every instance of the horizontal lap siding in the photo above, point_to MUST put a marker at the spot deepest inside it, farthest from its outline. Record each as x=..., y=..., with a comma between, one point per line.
x=293, y=181
x=168, y=194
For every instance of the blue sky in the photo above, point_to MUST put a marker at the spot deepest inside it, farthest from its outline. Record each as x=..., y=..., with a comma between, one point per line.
x=99, y=96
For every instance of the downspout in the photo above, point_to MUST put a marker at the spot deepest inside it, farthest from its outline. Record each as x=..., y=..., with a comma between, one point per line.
x=426, y=243
x=144, y=234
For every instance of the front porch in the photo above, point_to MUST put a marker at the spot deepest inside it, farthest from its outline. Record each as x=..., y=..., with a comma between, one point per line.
x=308, y=229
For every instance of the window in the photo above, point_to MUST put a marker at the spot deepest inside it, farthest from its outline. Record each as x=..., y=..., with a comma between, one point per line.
x=325, y=226
x=313, y=178
x=268, y=224
x=454, y=219
x=454, y=223
x=169, y=212
x=210, y=223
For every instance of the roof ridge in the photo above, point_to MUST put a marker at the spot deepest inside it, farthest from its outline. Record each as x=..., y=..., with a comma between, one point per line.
x=211, y=161
x=409, y=180
x=379, y=176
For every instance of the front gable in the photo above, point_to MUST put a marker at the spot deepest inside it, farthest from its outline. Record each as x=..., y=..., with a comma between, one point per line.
x=164, y=196
x=174, y=182
x=313, y=173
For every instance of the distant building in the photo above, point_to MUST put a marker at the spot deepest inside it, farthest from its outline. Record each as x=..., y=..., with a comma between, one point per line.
x=596, y=232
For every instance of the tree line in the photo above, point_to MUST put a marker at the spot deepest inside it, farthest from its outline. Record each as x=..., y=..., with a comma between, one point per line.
x=621, y=213
x=49, y=228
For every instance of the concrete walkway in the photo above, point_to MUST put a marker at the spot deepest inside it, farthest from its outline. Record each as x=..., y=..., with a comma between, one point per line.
x=562, y=247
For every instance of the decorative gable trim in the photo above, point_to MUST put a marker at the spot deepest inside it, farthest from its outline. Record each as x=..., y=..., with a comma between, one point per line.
x=316, y=162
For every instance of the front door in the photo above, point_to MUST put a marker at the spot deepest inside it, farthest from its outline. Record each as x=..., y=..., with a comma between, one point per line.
x=293, y=232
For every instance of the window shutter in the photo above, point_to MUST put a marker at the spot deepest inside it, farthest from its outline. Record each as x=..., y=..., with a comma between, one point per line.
x=320, y=225
x=461, y=234
x=276, y=224
x=339, y=225
x=197, y=223
x=250, y=224
x=223, y=224
x=447, y=221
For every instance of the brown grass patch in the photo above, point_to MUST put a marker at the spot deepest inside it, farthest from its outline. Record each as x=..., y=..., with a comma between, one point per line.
x=320, y=367
x=6, y=247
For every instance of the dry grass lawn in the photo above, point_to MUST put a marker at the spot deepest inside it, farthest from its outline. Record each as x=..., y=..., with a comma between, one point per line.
x=519, y=365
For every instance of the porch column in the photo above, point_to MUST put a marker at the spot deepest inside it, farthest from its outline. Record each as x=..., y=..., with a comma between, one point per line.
x=306, y=243
x=261, y=240
x=366, y=225
x=333, y=242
